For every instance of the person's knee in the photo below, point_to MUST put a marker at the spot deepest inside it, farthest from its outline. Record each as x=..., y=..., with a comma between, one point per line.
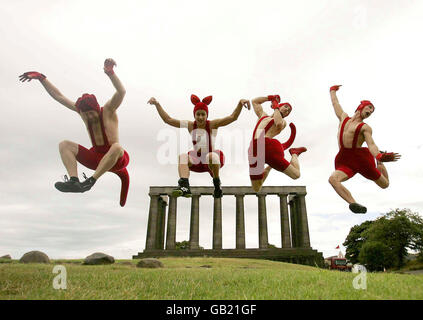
x=384, y=184
x=117, y=149
x=66, y=145
x=295, y=175
x=333, y=181
x=213, y=159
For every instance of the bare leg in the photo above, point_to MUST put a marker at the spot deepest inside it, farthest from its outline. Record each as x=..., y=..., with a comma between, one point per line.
x=183, y=165
x=383, y=180
x=68, y=151
x=257, y=184
x=109, y=160
x=293, y=170
x=335, y=180
x=214, y=163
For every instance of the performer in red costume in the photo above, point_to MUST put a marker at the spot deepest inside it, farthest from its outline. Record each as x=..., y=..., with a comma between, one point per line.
x=102, y=125
x=352, y=158
x=264, y=149
x=204, y=158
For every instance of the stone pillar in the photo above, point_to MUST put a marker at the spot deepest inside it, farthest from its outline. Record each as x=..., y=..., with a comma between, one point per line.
x=240, y=222
x=194, y=232
x=217, y=223
x=305, y=235
x=293, y=208
x=285, y=232
x=262, y=221
x=161, y=223
x=152, y=223
x=171, y=224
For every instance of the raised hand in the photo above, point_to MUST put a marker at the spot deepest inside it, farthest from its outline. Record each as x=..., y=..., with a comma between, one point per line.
x=335, y=88
x=245, y=103
x=108, y=66
x=387, y=156
x=276, y=98
x=153, y=101
x=28, y=76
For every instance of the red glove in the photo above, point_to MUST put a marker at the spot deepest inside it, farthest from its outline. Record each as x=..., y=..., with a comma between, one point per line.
x=335, y=88
x=387, y=156
x=108, y=67
x=28, y=76
x=274, y=98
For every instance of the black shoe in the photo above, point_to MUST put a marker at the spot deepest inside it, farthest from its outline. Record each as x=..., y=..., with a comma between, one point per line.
x=182, y=192
x=218, y=193
x=87, y=184
x=357, y=208
x=70, y=185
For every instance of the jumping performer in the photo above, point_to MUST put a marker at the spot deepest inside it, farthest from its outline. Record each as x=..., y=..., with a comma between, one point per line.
x=352, y=158
x=102, y=125
x=204, y=158
x=264, y=149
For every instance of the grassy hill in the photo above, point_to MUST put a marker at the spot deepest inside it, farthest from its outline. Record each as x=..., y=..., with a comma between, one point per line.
x=200, y=278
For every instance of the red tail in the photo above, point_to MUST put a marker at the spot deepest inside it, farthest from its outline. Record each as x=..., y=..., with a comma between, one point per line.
x=291, y=139
x=124, y=178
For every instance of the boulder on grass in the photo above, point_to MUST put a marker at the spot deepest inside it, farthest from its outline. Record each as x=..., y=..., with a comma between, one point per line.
x=35, y=257
x=98, y=258
x=7, y=256
x=150, y=263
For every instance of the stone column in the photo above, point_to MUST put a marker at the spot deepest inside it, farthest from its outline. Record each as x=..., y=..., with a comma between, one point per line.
x=262, y=221
x=217, y=223
x=194, y=232
x=285, y=232
x=293, y=208
x=240, y=222
x=161, y=221
x=171, y=224
x=152, y=223
x=305, y=235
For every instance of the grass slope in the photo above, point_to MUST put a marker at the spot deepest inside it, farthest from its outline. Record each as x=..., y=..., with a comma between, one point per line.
x=200, y=278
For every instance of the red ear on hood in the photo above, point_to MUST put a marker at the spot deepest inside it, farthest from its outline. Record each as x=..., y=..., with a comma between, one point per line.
x=207, y=100
x=194, y=99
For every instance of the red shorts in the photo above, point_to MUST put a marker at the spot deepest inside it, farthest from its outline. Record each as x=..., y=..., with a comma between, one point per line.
x=359, y=160
x=201, y=165
x=273, y=155
x=91, y=159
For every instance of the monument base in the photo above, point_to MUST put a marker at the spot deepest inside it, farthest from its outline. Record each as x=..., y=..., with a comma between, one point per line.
x=305, y=256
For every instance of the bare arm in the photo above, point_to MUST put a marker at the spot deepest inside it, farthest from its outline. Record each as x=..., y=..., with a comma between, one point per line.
x=163, y=114
x=336, y=106
x=367, y=131
x=233, y=117
x=118, y=96
x=57, y=95
x=280, y=123
x=258, y=109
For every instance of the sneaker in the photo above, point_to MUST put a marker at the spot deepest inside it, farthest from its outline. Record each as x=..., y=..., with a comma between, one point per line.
x=218, y=193
x=357, y=208
x=88, y=184
x=182, y=192
x=70, y=185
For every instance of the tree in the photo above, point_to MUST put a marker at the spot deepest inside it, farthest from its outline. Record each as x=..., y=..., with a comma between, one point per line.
x=376, y=256
x=355, y=241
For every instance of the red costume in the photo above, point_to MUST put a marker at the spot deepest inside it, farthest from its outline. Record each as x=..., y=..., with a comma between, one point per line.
x=355, y=160
x=273, y=153
x=92, y=157
x=199, y=158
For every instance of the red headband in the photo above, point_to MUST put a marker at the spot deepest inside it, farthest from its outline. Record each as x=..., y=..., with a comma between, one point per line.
x=201, y=105
x=87, y=102
x=363, y=104
x=275, y=105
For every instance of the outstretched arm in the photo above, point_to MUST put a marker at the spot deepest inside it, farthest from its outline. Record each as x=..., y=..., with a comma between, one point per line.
x=258, y=109
x=117, y=98
x=336, y=106
x=374, y=150
x=50, y=88
x=163, y=114
x=233, y=117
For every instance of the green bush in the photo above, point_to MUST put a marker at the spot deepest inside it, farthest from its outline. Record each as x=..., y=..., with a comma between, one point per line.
x=376, y=256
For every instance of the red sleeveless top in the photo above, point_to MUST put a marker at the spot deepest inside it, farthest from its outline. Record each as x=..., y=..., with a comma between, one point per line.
x=356, y=133
x=195, y=140
x=106, y=146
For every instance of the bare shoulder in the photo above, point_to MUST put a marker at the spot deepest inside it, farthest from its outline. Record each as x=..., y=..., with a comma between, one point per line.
x=109, y=113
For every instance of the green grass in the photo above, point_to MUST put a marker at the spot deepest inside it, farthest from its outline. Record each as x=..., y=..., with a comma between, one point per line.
x=187, y=278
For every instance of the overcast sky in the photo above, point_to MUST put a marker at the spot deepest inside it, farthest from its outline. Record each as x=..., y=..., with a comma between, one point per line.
x=227, y=49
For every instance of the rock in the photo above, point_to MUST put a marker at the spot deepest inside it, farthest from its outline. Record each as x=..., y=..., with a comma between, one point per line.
x=7, y=256
x=35, y=257
x=98, y=258
x=150, y=263
x=206, y=266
